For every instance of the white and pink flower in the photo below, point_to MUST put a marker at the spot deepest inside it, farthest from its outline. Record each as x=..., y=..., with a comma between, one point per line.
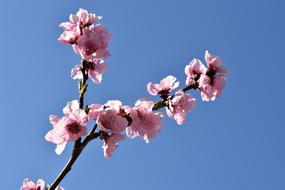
x=109, y=116
x=71, y=33
x=83, y=18
x=164, y=87
x=89, y=41
x=110, y=122
x=69, y=127
x=110, y=144
x=40, y=185
x=145, y=123
x=213, y=82
x=95, y=71
x=193, y=71
x=210, y=81
x=30, y=185
x=93, y=43
x=179, y=105
x=73, y=28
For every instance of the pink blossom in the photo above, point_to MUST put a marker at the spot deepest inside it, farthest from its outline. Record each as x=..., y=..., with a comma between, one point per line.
x=213, y=82
x=115, y=104
x=40, y=185
x=71, y=107
x=96, y=109
x=211, y=87
x=179, y=105
x=194, y=71
x=95, y=71
x=210, y=81
x=30, y=185
x=93, y=43
x=110, y=144
x=164, y=87
x=214, y=62
x=206, y=89
x=71, y=33
x=70, y=36
x=109, y=121
x=76, y=73
x=69, y=127
x=118, y=107
x=145, y=123
x=215, y=65
x=83, y=18
x=72, y=29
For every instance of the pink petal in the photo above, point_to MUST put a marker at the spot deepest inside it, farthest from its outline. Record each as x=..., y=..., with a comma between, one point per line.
x=151, y=88
x=28, y=185
x=110, y=121
x=144, y=103
x=114, y=104
x=40, y=184
x=73, y=18
x=111, y=143
x=70, y=107
x=79, y=116
x=76, y=73
x=60, y=148
x=213, y=61
x=169, y=83
x=95, y=110
x=96, y=73
x=179, y=105
x=67, y=25
x=195, y=67
x=54, y=119
x=68, y=37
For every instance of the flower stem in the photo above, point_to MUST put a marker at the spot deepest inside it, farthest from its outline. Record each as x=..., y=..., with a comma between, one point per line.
x=83, y=84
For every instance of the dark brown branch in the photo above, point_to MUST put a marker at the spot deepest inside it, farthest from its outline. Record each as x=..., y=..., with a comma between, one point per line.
x=82, y=84
x=77, y=149
x=194, y=86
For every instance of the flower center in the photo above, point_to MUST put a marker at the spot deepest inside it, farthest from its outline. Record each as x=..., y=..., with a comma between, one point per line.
x=211, y=72
x=73, y=127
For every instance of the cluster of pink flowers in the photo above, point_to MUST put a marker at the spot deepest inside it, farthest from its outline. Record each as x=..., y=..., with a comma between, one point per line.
x=40, y=185
x=141, y=121
x=210, y=81
x=88, y=40
x=113, y=119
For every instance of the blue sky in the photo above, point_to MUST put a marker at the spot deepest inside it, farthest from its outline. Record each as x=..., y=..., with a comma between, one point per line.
x=236, y=142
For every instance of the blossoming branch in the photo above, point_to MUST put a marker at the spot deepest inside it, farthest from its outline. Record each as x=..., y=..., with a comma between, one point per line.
x=113, y=121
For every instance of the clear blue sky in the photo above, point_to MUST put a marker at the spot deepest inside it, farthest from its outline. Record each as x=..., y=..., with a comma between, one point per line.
x=234, y=143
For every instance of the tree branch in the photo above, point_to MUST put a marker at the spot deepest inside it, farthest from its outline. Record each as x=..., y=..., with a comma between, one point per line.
x=77, y=149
